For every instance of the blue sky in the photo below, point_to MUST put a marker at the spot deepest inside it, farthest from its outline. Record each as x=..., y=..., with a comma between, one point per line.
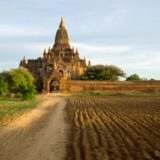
x=125, y=33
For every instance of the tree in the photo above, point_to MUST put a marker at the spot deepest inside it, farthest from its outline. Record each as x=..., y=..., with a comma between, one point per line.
x=3, y=83
x=102, y=72
x=3, y=88
x=133, y=77
x=20, y=82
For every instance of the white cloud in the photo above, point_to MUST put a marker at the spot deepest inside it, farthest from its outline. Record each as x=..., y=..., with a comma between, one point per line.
x=11, y=30
x=99, y=50
x=129, y=58
x=5, y=66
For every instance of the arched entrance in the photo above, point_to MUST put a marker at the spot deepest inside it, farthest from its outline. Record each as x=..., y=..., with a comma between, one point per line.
x=54, y=86
x=61, y=72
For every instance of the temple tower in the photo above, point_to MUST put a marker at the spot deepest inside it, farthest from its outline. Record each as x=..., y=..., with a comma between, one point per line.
x=57, y=65
x=61, y=38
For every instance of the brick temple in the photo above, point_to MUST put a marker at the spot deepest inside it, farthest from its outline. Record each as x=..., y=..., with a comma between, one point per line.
x=57, y=65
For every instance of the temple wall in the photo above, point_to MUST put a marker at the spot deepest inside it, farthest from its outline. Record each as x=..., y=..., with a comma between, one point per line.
x=75, y=86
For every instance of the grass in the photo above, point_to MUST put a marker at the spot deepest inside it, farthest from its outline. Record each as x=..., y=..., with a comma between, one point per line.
x=11, y=108
x=115, y=94
x=86, y=94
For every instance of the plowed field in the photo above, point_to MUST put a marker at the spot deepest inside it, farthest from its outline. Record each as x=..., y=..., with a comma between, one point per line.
x=114, y=128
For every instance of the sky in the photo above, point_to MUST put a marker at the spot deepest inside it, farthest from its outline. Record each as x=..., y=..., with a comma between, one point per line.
x=125, y=33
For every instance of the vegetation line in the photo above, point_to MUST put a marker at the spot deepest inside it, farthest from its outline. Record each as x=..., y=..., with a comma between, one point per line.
x=115, y=94
x=12, y=108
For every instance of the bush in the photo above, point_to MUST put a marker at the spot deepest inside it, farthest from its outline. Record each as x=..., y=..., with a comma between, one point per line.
x=20, y=82
x=134, y=77
x=3, y=88
x=102, y=72
x=26, y=91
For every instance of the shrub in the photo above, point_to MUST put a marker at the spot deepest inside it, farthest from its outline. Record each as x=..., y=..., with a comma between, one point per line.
x=20, y=82
x=3, y=88
x=133, y=77
x=103, y=72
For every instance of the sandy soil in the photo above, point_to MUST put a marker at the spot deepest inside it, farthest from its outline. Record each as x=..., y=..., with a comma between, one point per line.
x=40, y=134
x=114, y=128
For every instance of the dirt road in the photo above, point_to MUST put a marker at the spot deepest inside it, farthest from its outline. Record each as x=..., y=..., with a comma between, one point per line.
x=40, y=134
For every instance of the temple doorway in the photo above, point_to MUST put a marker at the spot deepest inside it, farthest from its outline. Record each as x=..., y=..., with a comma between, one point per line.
x=54, y=86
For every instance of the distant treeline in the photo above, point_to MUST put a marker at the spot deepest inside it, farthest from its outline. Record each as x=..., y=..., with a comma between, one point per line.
x=107, y=72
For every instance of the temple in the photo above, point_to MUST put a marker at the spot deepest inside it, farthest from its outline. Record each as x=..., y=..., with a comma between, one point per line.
x=57, y=65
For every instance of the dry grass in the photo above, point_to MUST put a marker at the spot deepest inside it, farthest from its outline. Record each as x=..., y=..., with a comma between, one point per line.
x=114, y=128
x=11, y=108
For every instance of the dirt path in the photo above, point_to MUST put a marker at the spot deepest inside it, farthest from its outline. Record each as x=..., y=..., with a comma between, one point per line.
x=40, y=134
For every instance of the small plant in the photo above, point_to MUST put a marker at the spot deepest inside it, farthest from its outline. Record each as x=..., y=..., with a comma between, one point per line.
x=155, y=91
x=96, y=93
x=66, y=91
x=92, y=120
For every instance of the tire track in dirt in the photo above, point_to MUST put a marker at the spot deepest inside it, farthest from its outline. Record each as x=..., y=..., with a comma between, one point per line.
x=39, y=134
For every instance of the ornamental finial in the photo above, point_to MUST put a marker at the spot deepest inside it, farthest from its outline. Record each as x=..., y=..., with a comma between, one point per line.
x=62, y=23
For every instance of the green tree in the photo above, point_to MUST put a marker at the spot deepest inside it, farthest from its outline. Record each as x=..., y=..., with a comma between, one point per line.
x=103, y=72
x=3, y=83
x=21, y=83
x=133, y=77
x=3, y=88
x=6, y=77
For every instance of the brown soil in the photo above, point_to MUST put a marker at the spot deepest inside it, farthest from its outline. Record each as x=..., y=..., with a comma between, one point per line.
x=40, y=134
x=114, y=128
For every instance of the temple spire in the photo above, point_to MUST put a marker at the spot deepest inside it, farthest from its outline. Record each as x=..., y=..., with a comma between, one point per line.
x=62, y=23
x=61, y=36
x=89, y=63
x=77, y=51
